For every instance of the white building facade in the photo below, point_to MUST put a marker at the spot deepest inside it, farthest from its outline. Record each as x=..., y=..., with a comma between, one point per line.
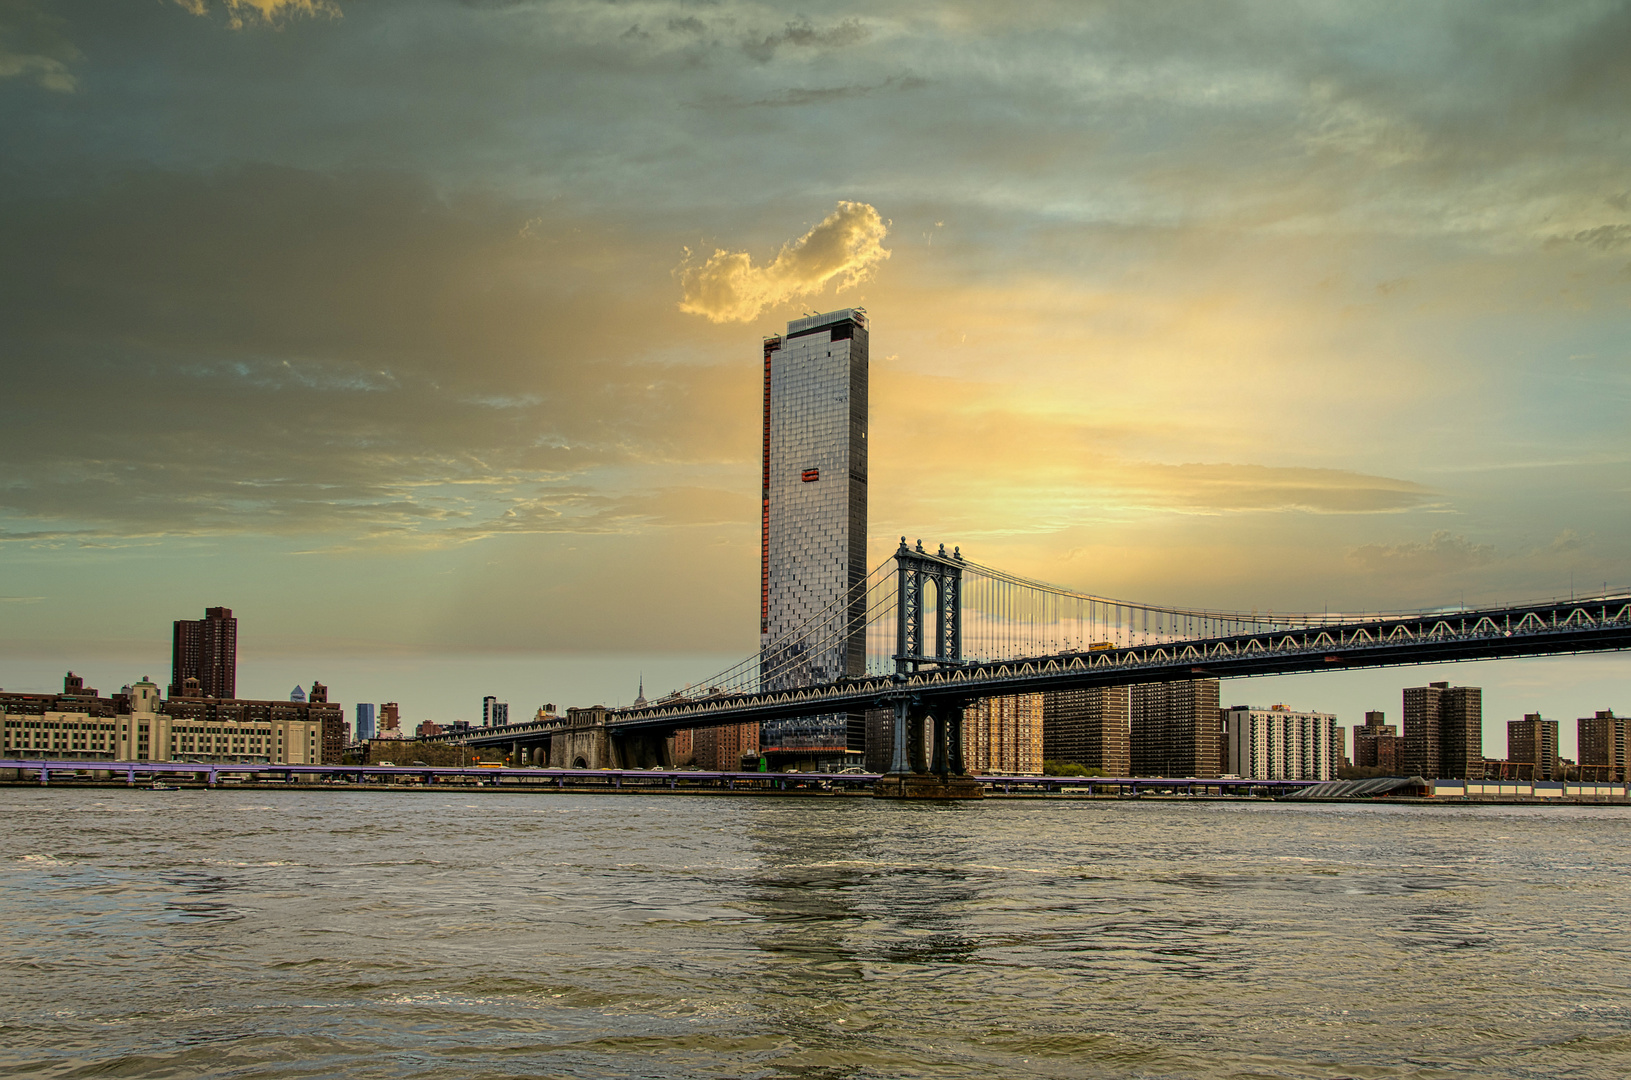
x=1279, y=743
x=138, y=726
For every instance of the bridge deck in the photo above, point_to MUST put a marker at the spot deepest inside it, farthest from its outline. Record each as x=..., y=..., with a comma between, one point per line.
x=1602, y=624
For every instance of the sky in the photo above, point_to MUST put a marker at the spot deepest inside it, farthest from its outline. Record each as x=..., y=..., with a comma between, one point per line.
x=425, y=334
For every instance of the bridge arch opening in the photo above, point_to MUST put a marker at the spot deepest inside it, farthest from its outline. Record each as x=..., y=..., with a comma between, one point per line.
x=929, y=638
x=579, y=763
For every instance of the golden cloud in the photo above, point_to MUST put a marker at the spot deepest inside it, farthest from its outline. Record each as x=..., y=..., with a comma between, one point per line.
x=1024, y=465
x=266, y=11
x=49, y=73
x=846, y=245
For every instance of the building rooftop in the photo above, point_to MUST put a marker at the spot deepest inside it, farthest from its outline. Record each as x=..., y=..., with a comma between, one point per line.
x=815, y=322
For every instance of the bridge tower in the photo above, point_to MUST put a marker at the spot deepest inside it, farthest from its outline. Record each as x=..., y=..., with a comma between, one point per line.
x=914, y=570
x=927, y=762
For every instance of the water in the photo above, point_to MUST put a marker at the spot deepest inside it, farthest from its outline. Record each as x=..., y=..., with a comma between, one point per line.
x=291, y=934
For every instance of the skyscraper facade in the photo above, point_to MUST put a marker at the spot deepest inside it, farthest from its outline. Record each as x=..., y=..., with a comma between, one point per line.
x=813, y=507
x=1090, y=727
x=1177, y=729
x=365, y=722
x=205, y=650
x=494, y=713
x=1443, y=732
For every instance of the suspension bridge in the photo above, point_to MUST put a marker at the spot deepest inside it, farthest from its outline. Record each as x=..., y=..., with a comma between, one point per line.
x=927, y=632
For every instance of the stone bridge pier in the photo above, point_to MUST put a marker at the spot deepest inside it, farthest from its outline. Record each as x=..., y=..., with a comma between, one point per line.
x=928, y=754
x=583, y=742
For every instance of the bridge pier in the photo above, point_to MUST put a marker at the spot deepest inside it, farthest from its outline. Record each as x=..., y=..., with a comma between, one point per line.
x=939, y=763
x=901, y=762
x=639, y=750
x=928, y=755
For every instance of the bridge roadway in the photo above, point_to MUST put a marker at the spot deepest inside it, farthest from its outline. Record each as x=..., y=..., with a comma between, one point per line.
x=1575, y=626
x=612, y=779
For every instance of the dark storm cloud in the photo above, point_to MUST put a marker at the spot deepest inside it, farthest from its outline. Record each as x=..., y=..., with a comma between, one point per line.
x=826, y=95
x=802, y=34
x=358, y=277
x=34, y=46
x=269, y=349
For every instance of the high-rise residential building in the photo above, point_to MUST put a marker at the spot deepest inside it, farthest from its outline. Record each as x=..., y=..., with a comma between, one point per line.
x=365, y=722
x=724, y=748
x=390, y=718
x=1602, y=746
x=1175, y=729
x=813, y=523
x=1376, y=743
x=1002, y=736
x=1278, y=743
x=1531, y=744
x=205, y=650
x=680, y=748
x=1443, y=732
x=1091, y=727
x=494, y=713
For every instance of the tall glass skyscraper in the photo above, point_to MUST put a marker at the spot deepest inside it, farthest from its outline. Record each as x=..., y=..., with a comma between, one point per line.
x=365, y=722
x=813, y=550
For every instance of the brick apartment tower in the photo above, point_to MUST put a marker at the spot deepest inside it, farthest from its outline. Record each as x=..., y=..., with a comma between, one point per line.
x=1002, y=736
x=1176, y=729
x=1091, y=727
x=1376, y=744
x=1532, y=742
x=207, y=650
x=1603, y=746
x=1443, y=732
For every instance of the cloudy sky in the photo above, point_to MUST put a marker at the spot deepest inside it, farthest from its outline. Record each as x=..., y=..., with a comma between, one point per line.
x=425, y=334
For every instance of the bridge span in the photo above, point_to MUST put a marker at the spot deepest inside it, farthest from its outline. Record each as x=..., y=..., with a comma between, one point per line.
x=1598, y=625
x=940, y=632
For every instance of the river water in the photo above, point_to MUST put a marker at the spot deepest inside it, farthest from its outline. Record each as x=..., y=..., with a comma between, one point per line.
x=420, y=934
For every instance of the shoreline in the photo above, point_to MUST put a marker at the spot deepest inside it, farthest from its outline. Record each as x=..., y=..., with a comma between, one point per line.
x=791, y=793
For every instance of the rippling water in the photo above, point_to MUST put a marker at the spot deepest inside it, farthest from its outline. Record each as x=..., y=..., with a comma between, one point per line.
x=256, y=934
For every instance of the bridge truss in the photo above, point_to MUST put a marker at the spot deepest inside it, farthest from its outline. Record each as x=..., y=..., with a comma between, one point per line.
x=940, y=629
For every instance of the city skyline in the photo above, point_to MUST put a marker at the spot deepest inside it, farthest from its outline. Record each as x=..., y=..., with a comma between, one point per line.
x=441, y=381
